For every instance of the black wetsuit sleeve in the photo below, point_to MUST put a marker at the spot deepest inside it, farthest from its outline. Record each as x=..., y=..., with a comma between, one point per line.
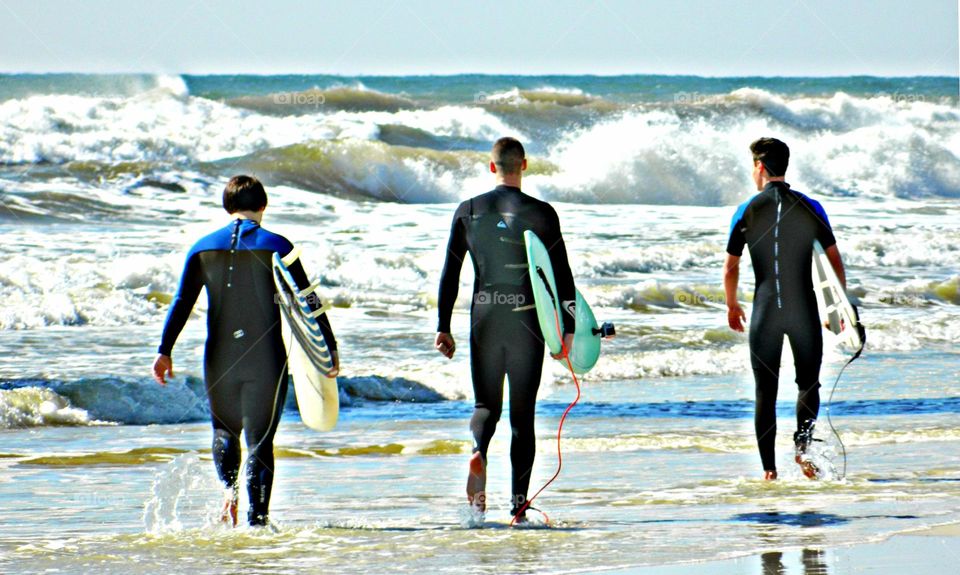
x=450, y=277
x=191, y=282
x=313, y=300
x=737, y=239
x=562, y=275
x=824, y=232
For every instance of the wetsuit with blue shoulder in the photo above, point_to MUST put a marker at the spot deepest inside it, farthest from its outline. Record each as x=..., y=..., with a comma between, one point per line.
x=779, y=225
x=244, y=357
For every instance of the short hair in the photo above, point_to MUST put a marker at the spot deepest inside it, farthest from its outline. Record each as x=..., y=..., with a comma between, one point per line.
x=773, y=154
x=244, y=194
x=508, y=155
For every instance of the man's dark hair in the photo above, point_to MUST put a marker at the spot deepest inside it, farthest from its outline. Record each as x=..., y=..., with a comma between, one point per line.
x=244, y=194
x=773, y=154
x=508, y=155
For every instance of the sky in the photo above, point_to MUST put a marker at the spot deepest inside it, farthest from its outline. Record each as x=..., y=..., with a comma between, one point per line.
x=399, y=37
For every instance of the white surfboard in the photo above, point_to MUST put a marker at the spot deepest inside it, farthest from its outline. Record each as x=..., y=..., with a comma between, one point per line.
x=308, y=357
x=835, y=309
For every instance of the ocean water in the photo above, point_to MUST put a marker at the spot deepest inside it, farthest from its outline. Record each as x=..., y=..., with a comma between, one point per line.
x=105, y=182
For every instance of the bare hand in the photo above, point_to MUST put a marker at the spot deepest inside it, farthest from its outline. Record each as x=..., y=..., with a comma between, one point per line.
x=567, y=346
x=161, y=366
x=336, y=364
x=445, y=345
x=736, y=317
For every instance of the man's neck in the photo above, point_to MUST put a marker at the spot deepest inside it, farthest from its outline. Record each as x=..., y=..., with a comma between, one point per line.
x=779, y=179
x=512, y=181
x=253, y=216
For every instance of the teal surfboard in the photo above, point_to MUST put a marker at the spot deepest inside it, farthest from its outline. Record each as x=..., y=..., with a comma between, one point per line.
x=586, y=339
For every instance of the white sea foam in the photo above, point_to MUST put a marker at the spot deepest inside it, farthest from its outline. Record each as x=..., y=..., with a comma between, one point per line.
x=649, y=154
x=35, y=406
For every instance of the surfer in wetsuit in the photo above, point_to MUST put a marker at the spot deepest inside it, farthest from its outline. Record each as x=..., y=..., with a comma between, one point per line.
x=245, y=367
x=505, y=338
x=779, y=225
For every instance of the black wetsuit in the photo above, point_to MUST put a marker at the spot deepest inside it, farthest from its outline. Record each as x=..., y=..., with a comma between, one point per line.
x=244, y=359
x=505, y=338
x=779, y=226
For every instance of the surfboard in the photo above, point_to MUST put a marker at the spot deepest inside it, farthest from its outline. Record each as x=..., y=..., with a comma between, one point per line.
x=586, y=338
x=308, y=358
x=835, y=309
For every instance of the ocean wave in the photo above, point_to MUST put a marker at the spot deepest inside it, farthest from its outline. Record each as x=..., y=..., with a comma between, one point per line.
x=647, y=157
x=349, y=98
x=868, y=249
x=155, y=126
x=684, y=153
x=670, y=362
x=127, y=400
x=937, y=328
x=379, y=388
x=373, y=170
x=914, y=293
x=141, y=401
x=126, y=290
x=36, y=406
x=843, y=145
x=658, y=258
x=648, y=296
x=567, y=97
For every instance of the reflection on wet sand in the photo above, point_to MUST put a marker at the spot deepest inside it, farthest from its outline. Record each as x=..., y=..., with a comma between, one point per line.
x=814, y=562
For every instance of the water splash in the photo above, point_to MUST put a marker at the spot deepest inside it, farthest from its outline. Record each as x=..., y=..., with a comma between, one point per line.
x=183, y=495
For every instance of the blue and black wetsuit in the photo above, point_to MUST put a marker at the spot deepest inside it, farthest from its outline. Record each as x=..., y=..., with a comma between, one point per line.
x=505, y=338
x=779, y=226
x=244, y=360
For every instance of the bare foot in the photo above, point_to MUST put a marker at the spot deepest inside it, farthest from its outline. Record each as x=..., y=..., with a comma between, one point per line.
x=477, y=483
x=228, y=515
x=770, y=475
x=807, y=467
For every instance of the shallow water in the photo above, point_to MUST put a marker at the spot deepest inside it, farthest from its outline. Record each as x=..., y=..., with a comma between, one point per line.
x=385, y=488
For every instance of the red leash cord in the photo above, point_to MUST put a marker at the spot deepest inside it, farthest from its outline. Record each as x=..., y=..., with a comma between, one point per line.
x=566, y=356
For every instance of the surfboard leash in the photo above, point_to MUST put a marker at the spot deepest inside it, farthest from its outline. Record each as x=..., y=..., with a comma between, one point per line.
x=862, y=331
x=563, y=418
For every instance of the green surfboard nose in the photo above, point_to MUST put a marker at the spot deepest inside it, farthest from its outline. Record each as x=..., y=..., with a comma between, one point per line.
x=586, y=343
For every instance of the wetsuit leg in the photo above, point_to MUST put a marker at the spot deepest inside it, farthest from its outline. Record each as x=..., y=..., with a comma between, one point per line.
x=487, y=366
x=242, y=387
x=260, y=425
x=227, y=417
x=524, y=366
x=766, y=346
x=806, y=342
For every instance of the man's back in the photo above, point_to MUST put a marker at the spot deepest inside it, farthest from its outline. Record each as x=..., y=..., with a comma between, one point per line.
x=779, y=226
x=234, y=264
x=238, y=276
x=490, y=227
